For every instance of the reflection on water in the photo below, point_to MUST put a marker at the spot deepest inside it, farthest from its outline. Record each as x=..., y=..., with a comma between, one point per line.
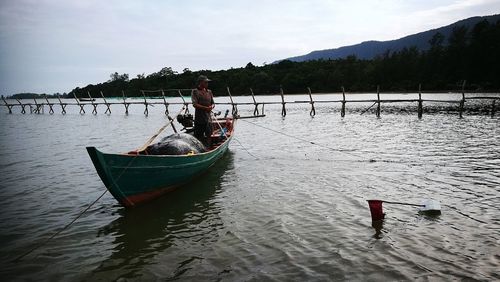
x=140, y=234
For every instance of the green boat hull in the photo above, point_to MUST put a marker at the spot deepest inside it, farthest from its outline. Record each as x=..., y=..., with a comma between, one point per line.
x=135, y=179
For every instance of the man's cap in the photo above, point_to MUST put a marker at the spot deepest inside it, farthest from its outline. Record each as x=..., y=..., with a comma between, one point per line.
x=203, y=78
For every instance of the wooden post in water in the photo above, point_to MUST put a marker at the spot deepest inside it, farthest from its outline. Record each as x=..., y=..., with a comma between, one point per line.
x=82, y=111
x=39, y=107
x=108, y=109
x=462, y=102
x=125, y=102
x=23, y=110
x=256, y=109
x=63, y=106
x=9, y=107
x=378, y=101
x=342, y=110
x=51, y=110
x=313, y=110
x=94, y=111
x=165, y=103
x=283, y=109
x=420, y=108
x=493, y=108
x=146, y=111
x=234, y=106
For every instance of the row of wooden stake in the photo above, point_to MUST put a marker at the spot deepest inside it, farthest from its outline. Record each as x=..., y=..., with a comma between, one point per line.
x=37, y=107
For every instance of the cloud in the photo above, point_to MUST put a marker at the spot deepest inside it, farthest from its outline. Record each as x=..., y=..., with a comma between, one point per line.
x=48, y=46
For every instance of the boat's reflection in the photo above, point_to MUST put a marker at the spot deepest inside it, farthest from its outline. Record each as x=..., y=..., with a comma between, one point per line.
x=189, y=213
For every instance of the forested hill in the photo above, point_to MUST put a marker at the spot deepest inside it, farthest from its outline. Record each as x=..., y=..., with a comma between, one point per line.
x=370, y=49
x=471, y=54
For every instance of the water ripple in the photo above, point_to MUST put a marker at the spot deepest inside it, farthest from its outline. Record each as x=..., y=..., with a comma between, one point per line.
x=298, y=212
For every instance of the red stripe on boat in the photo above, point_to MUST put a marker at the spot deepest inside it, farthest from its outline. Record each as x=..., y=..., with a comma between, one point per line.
x=137, y=199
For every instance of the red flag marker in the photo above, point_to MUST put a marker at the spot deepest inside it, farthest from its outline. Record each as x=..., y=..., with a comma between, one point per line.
x=376, y=209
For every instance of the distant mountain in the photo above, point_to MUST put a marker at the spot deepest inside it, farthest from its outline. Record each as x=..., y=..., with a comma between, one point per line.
x=370, y=49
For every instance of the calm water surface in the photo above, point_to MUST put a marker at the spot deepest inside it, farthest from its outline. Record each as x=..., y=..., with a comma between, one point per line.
x=274, y=208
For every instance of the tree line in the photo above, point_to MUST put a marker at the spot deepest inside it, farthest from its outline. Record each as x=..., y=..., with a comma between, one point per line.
x=467, y=54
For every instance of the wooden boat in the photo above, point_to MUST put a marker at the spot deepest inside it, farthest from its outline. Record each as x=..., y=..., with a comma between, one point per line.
x=133, y=178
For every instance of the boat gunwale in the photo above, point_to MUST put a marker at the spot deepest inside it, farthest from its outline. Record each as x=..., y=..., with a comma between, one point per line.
x=228, y=138
x=183, y=165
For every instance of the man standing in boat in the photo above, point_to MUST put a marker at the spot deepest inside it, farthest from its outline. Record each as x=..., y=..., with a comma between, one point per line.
x=203, y=102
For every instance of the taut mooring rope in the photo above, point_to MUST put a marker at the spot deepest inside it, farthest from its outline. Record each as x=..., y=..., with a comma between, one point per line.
x=308, y=141
x=248, y=152
x=73, y=221
x=62, y=229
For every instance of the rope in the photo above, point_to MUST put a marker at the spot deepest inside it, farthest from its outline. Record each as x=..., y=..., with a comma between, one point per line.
x=213, y=116
x=73, y=221
x=257, y=158
x=404, y=204
x=64, y=228
x=307, y=141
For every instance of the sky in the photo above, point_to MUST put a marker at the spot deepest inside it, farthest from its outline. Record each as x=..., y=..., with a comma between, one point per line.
x=49, y=46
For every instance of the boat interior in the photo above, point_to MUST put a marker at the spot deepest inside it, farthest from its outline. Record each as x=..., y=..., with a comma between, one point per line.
x=221, y=128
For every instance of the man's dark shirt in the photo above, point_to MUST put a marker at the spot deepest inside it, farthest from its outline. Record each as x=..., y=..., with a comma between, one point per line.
x=205, y=98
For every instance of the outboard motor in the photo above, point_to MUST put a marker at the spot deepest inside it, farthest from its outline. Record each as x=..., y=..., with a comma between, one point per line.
x=186, y=120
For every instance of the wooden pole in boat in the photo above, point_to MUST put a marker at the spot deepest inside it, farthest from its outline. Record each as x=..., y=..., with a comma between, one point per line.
x=125, y=102
x=283, y=109
x=150, y=140
x=342, y=110
x=234, y=106
x=420, y=108
x=214, y=118
x=313, y=110
x=63, y=106
x=378, y=101
x=256, y=109
x=172, y=123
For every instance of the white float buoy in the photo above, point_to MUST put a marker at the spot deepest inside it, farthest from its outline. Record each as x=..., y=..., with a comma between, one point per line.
x=430, y=207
